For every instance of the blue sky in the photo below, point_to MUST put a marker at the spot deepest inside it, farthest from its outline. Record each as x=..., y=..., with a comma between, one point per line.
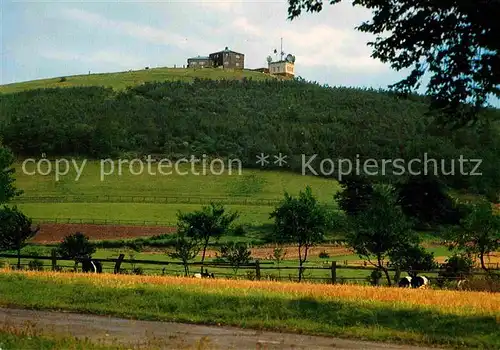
x=42, y=39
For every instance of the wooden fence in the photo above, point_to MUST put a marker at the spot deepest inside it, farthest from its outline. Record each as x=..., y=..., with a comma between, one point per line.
x=258, y=267
x=104, y=222
x=146, y=199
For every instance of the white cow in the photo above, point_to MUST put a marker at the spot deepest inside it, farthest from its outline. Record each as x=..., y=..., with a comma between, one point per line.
x=415, y=282
x=419, y=282
x=405, y=282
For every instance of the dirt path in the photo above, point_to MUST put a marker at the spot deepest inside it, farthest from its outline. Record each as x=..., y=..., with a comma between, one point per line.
x=168, y=335
x=54, y=233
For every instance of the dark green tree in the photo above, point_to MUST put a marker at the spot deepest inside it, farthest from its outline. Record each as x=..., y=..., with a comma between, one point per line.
x=76, y=246
x=7, y=188
x=478, y=233
x=186, y=249
x=456, y=268
x=236, y=254
x=209, y=223
x=301, y=220
x=381, y=230
x=278, y=256
x=426, y=200
x=413, y=259
x=355, y=194
x=456, y=41
x=15, y=230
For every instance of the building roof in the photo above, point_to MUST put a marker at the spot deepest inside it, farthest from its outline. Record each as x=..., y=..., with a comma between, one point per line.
x=199, y=58
x=283, y=61
x=227, y=50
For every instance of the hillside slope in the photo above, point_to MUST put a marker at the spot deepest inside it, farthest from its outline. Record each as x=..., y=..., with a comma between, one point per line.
x=244, y=118
x=121, y=80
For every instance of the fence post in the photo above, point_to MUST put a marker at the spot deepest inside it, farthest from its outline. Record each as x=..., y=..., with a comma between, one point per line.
x=54, y=259
x=257, y=270
x=119, y=263
x=334, y=271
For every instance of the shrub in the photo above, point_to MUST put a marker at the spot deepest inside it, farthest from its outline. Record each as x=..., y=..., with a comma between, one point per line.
x=375, y=277
x=76, y=246
x=35, y=265
x=63, y=79
x=250, y=275
x=456, y=267
x=219, y=259
x=324, y=255
x=137, y=271
x=489, y=283
x=271, y=277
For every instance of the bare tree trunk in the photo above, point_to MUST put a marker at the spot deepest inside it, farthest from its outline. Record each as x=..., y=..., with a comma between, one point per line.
x=387, y=276
x=203, y=255
x=300, y=262
x=483, y=265
x=386, y=272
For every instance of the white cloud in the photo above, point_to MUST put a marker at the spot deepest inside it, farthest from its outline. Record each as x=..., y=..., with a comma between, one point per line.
x=322, y=45
x=319, y=40
x=243, y=25
x=255, y=29
x=139, y=31
x=98, y=57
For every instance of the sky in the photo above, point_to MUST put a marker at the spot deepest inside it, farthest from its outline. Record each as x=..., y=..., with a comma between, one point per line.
x=44, y=39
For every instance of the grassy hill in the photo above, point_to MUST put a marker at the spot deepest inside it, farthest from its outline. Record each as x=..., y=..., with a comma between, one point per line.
x=121, y=80
x=158, y=197
x=175, y=113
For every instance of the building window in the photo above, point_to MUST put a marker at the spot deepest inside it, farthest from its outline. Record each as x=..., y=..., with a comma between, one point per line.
x=226, y=62
x=237, y=56
x=237, y=64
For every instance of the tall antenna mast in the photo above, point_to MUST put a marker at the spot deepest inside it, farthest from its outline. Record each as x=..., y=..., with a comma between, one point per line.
x=281, y=51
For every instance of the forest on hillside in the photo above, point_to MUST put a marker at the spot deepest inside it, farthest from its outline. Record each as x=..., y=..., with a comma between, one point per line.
x=241, y=119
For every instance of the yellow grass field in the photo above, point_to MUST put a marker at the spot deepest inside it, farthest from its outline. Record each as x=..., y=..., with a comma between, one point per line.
x=458, y=319
x=457, y=302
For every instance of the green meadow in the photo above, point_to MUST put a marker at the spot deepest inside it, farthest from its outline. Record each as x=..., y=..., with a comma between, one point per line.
x=152, y=196
x=122, y=80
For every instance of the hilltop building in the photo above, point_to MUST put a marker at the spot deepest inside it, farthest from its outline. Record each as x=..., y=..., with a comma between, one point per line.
x=226, y=59
x=199, y=61
x=284, y=68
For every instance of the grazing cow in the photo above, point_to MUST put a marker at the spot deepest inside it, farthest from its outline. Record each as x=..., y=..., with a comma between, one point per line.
x=204, y=275
x=91, y=266
x=405, y=282
x=419, y=282
x=462, y=284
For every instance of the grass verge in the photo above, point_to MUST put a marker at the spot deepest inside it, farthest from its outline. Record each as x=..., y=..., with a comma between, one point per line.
x=430, y=317
x=19, y=340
